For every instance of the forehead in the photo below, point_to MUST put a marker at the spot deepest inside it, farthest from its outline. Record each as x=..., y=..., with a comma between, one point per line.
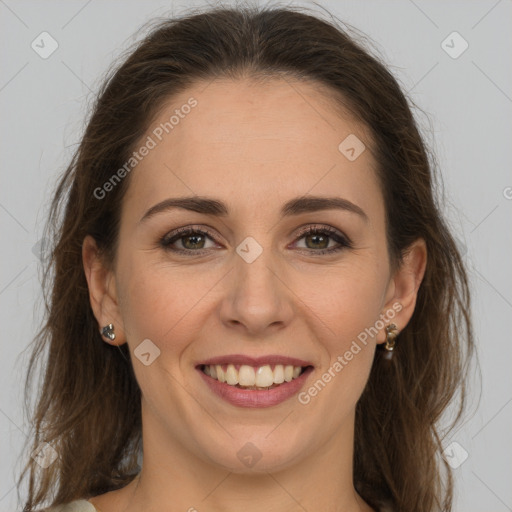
x=249, y=141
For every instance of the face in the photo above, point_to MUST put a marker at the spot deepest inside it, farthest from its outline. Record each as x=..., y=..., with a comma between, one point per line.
x=252, y=282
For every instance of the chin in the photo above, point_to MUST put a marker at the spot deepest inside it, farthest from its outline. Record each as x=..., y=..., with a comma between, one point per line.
x=250, y=460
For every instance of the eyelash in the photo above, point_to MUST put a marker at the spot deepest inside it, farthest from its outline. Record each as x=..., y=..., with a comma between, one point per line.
x=180, y=233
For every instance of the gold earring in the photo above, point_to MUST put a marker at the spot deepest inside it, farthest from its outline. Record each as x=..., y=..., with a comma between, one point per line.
x=391, y=334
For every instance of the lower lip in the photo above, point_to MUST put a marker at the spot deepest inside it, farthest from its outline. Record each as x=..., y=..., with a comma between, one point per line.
x=254, y=398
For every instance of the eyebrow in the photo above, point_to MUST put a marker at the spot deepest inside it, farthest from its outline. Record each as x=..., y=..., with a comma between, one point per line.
x=215, y=207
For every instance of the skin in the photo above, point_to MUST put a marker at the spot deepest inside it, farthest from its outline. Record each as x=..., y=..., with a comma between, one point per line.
x=253, y=146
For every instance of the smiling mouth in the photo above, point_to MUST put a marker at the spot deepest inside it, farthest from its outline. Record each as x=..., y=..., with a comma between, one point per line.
x=253, y=378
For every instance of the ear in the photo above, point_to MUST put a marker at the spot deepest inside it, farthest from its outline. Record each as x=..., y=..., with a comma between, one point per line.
x=403, y=288
x=102, y=291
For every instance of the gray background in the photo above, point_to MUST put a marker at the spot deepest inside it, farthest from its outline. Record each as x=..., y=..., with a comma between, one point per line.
x=468, y=101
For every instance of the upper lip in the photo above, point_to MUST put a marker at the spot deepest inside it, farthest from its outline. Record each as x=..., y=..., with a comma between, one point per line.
x=255, y=361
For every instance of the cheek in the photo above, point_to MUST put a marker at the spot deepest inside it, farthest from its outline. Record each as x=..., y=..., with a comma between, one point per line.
x=346, y=299
x=346, y=305
x=161, y=305
x=157, y=303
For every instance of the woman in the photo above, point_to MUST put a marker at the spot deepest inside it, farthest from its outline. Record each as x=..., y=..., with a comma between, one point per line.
x=254, y=295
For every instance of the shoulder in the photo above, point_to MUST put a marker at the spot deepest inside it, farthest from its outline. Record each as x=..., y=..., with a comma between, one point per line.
x=72, y=506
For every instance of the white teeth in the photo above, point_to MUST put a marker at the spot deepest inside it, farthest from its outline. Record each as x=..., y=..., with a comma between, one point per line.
x=231, y=375
x=264, y=376
x=248, y=376
x=278, y=374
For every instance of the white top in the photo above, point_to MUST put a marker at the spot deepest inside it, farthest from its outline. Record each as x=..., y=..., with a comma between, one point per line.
x=74, y=506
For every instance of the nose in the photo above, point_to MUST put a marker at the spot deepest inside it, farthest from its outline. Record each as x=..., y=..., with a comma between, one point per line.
x=257, y=301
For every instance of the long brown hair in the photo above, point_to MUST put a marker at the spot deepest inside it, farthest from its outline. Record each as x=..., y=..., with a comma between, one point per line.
x=88, y=404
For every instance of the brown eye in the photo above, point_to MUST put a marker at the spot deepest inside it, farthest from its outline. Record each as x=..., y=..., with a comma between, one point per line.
x=317, y=240
x=191, y=240
x=194, y=240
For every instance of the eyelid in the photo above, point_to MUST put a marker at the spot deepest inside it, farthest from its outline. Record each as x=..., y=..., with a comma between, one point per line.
x=316, y=227
x=337, y=235
x=185, y=230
